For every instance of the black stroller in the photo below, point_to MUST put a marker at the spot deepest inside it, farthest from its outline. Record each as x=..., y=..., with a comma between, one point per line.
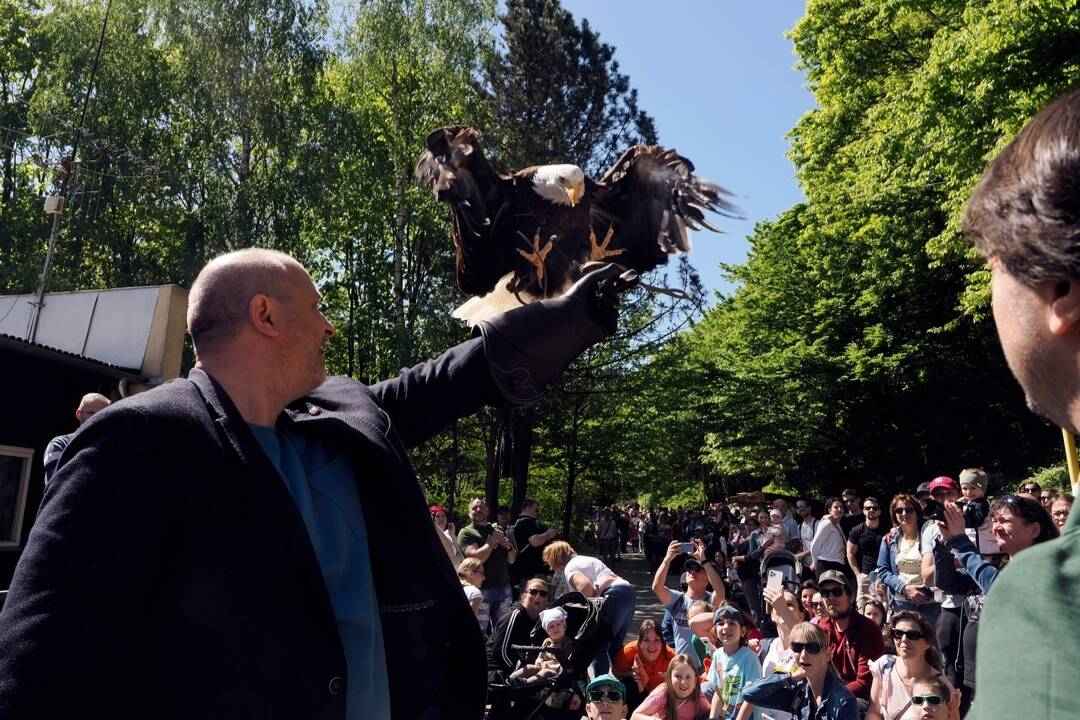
x=783, y=561
x=588, y=630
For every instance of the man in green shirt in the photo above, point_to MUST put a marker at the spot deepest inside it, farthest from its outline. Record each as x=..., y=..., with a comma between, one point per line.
x=1024, y=218
x=489, y=544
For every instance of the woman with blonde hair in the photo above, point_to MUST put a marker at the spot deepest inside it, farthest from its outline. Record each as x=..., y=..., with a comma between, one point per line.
x=679, y=698
x=813, y=690
x=470, y=572
x=592, y=578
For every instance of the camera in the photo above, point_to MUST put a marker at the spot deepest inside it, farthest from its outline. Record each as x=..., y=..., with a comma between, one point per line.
x=933, y=510
x=975, y=512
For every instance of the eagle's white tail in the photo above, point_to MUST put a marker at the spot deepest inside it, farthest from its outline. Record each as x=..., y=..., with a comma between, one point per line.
x=484, y=307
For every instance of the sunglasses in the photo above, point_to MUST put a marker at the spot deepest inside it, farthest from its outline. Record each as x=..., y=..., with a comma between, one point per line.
x=537, y=591
x=816, y=606
x=813, y=648
x=904, y=510
x=1030, y=489
x=611, y=696
x=912, y=635
x=831, y=592
x=927, y=700
x=870, y=507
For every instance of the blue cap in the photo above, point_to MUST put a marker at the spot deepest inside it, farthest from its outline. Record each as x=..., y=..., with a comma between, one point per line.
x=607, y=680
x=728, y=612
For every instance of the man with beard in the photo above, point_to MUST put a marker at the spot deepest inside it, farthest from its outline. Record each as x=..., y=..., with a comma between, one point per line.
x=202, y=550
x=1024, y=218
x=863, y=544
x=854, y=639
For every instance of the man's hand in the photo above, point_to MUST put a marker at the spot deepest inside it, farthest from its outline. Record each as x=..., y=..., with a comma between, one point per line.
x=496, y=538
x=775, y=597
x=550, y=534
x=674, y=550
x=954, y=521
x=699, y=551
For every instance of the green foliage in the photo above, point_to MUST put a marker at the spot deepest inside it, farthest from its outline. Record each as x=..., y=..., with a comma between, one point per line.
x=1055, y=477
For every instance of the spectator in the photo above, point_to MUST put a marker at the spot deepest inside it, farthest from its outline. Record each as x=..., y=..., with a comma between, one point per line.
x=814, y=691
x=515, y=628
x=643, y=662
x=606, y=698
x=1060, y=509
x=863, y=544
x=679, y=698
x=747, y=572
x=471, y=573
x=900, y=558
x=700, y=575
x=817, y=606
x=1046, y=497
x=791, y=525
x=916, y=657
x=90, y=405
x=447, y=534
x=853, y=511
x=807, y=591
x=875, y=611
x=776, y=653
x=934, y=699
x=530, y=539
x=854, y=640
x=734, y=666
x=776, y=537
x=1019, y=522
x=607, y=533
x=943, y=490
x=973, y=482
x=922, y=494
x=1029, y=487
x=488, y=544
x=547, y=663
x=592, y=578
x=829, y=547
x=808, y=525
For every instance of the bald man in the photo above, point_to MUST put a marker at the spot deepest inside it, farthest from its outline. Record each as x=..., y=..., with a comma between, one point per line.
x=90, y=404
x=251, y=542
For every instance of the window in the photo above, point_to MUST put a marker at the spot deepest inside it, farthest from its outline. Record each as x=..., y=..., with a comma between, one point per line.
x=14, y=479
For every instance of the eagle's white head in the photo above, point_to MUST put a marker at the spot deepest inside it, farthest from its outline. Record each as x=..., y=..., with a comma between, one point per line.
x=562, y=184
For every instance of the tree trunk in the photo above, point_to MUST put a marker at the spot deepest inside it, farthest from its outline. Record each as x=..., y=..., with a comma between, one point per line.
x=491, y=481
x=455, y=458
x=519, y=464
x=571, y=472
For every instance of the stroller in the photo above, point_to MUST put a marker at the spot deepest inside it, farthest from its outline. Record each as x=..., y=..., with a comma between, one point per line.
x=588, y=630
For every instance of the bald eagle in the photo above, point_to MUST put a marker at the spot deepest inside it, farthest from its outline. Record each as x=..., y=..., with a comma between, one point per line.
x=531, y=234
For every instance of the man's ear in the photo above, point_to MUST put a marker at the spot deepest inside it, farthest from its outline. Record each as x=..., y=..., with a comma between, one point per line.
x=1063, y=309
x=263, y=313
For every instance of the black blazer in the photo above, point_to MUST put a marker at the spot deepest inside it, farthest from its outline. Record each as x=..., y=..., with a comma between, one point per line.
x=170, y=575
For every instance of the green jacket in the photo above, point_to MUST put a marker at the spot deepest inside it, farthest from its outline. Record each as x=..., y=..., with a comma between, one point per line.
x=1029, y=634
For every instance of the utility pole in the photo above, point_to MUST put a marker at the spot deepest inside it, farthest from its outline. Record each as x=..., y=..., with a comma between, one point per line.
x=55, y=207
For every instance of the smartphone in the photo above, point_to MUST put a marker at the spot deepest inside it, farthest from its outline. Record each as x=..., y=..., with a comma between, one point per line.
x=688, y=548
x=776, y=579
x=933, y=510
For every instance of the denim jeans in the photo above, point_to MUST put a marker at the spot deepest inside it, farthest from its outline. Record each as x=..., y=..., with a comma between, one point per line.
x=498, y=602
x=619, y=610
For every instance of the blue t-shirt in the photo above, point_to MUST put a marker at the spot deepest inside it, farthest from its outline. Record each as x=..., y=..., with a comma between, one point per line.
x=679, y=607
x=322, y=482
x=739, y=670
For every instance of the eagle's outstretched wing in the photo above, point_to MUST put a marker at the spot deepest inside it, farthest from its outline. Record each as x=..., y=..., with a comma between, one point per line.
x=650, y=198
x=455, y=169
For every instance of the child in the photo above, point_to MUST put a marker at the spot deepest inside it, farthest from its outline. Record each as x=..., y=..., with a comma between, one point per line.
x=547, y=665
x=699, y=617
x=679, y=698
x=733, y=664
x=933, y=700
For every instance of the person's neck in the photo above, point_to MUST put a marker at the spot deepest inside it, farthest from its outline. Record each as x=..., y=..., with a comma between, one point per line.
x=248, y=386
x=817, y=681
x=910, y=531
x=698, y=591
x=730, y=648
x=480, y=523
x=842, y=621
x=873, y=523
x=913, y=667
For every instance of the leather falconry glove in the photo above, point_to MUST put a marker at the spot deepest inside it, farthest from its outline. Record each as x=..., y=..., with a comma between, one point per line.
x=529, y=347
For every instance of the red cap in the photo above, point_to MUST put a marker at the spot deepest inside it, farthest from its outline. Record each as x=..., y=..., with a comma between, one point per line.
x=944, y=482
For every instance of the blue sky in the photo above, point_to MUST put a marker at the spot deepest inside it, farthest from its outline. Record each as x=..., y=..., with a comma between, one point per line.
x=719, y=78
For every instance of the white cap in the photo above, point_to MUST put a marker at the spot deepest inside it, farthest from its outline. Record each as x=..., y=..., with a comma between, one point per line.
x=551, y=615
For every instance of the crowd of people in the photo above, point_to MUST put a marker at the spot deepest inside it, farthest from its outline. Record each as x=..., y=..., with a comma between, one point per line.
x=854, y=608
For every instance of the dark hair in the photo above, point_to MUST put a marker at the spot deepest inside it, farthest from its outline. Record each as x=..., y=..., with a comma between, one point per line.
x=1030, y=511
x=1025, y=211
x=528, y=503
x=647, y=625
x=871, y=498
x=934, y=657
x=881, y=608
x=830, y=501
x=905, y=499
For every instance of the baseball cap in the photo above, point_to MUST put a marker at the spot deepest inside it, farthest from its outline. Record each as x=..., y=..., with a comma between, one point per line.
x=923, y=488
x=691, y=563
x=834, y=576
x=973, y=476
x=728, y=612
x=944, y=482
x=607, y=680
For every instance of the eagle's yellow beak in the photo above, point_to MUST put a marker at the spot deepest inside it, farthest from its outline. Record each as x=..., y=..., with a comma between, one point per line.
x=574, y=193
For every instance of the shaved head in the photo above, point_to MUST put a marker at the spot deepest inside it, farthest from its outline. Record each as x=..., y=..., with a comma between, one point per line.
x=90, y=404
x=221, y=294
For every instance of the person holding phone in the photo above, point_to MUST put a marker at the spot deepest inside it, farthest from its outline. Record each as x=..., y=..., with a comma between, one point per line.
x=701, y=573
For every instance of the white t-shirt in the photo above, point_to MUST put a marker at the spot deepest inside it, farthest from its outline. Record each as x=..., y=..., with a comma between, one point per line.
x=829, y=543
x=592, y=568
x=483, y=612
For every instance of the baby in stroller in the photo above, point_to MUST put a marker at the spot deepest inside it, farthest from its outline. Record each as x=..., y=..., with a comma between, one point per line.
x=546, y=665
